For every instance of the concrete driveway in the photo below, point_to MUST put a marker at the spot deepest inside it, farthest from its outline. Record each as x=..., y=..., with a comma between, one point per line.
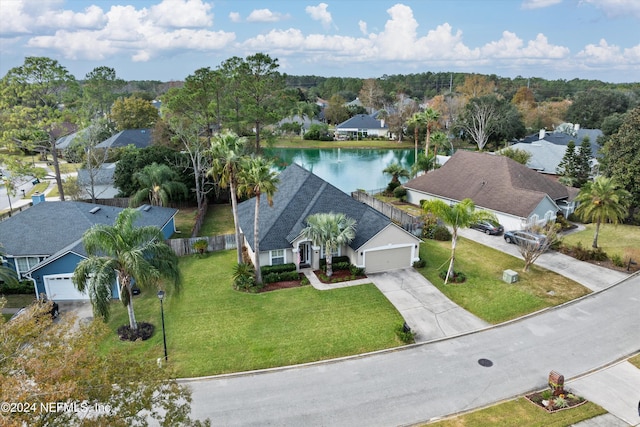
x=429, y=313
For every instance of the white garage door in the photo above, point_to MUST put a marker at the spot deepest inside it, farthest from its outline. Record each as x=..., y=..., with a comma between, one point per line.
x=61, y=288
x=387, y=259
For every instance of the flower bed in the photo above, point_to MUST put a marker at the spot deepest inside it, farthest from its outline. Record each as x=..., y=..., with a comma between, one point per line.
x=550, y=403
x=338, y=276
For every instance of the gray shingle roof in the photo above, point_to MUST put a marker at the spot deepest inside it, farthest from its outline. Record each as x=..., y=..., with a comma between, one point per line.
x=300, y=194
x=561, y=138
x=362, y=121
x=141, y=138
x=48, y=227
x=545, y=156
x=492, y=182
x=102, y=176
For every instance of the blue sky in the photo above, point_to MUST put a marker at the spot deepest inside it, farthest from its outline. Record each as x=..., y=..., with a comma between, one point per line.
x=169, y=39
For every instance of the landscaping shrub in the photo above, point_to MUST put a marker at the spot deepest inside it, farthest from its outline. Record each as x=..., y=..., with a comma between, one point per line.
x=406, y=336
x=341, y=266
x=335, y=259
x=617, y=260
x=581, y=253
x=420, y=263
x=280, y=277
x=22, y=287
x=458, y=276
x=356, y=271
x=280, y=268
x=441, y=233
x=391, y=187
x=244, y=277
x=400, y=193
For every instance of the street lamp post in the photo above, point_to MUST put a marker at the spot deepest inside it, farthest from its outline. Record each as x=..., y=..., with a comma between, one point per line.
x=164, y=336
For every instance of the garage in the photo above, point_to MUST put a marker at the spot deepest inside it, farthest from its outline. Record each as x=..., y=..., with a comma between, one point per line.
x=61, y=288
x=376, y=260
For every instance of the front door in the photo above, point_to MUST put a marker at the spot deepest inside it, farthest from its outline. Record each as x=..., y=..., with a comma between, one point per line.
x=305, y=254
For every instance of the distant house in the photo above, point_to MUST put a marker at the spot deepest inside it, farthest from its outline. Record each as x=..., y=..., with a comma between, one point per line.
x=102, y=181
x=563, y=134
x=44, y=242
x=140, y=138
x=362, y=126
x=379, y=244
x=545, y=156
x=516, y=194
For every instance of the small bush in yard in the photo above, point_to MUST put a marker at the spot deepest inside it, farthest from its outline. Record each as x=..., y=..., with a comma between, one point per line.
x=244, y=277
x=144, y=332
x=400, y=193
x=406, y=335
x=420, y=263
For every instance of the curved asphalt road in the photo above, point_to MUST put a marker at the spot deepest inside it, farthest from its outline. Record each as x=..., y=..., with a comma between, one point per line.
x=436, y=379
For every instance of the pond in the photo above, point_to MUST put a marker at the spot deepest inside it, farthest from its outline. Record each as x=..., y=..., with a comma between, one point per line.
x=347, y=169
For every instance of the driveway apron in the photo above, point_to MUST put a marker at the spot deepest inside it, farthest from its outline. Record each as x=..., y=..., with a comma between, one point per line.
x=428, y=313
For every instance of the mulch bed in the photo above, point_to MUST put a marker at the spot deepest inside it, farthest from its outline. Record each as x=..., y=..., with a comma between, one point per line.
x=337, y=276
x=569, y=401
x=283, y=285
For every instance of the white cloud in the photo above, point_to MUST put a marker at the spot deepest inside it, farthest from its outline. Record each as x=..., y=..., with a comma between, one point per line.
x=539, y=4
x=92, y=17
x=181, y=14
x=234, y=17
x=511, y=46
x=138, y=32
x=363, y=27
x=265, y=15
x=617, y=8
x=320, y=13
x=601, y=54
x=13, y=20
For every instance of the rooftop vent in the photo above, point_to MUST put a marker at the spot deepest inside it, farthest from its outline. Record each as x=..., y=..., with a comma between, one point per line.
x=146, y=208
x=94, y=210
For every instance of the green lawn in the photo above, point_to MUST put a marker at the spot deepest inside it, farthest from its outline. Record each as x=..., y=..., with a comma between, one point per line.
x=219, y=220
x=623, y=240
x=484, y=293
x=522, y=413
x=212, y=329
x=18, y=300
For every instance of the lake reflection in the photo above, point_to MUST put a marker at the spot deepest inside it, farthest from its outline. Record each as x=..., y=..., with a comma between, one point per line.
x=347, y=169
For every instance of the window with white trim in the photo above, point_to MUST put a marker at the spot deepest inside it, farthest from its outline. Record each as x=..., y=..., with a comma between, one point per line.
x=336, y=252
x=26, y=263
x=277, y=257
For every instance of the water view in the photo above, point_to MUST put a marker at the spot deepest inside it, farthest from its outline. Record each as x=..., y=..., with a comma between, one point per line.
x=346, y=169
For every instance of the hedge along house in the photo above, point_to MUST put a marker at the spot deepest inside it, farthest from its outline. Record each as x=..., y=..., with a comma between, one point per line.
x=516, y=194
x=44, y=242
x=379, y=244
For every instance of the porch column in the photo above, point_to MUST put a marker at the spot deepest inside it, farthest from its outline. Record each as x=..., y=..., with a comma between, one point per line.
x=315, y=259
x=296, y=257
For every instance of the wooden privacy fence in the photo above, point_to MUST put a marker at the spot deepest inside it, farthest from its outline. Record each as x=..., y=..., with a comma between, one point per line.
x=214, y=243
x=396, y=215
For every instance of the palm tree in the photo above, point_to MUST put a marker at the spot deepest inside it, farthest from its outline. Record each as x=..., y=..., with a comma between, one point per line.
x=416, y=120
x=438, y=139
x=456, y=216
x=423, y=164
x=256, y=178
x=602, y=201
x=128, y=254
x=159, y=183
x=227, y=151
x=396, y=171
x=331, y=230
x=430, y=117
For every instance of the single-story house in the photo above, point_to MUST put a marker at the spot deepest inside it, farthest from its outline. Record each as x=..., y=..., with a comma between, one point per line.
x=362, y=125
x=564, y=133
x=44, y=243
x=516, y=194
x=379, y=244
x=141, y=138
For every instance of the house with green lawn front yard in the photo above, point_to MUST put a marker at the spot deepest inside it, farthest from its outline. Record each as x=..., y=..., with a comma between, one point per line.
x=379, y=244
x=44, y=243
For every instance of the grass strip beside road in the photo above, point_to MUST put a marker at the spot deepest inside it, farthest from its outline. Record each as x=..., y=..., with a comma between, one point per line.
x=212, y=329
x=521, y=413
x=484, y=293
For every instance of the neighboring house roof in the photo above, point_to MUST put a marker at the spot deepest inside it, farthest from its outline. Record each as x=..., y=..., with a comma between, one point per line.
x=545, y=156
x=300, y=194
x=48, y=227
x=560, y=137
x=141, y=138
x=362, y=121
x=492, y=182
x=102, y=175
x=65, y=141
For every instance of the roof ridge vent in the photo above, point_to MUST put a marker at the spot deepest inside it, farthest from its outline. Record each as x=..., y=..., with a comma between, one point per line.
x=94, y=210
